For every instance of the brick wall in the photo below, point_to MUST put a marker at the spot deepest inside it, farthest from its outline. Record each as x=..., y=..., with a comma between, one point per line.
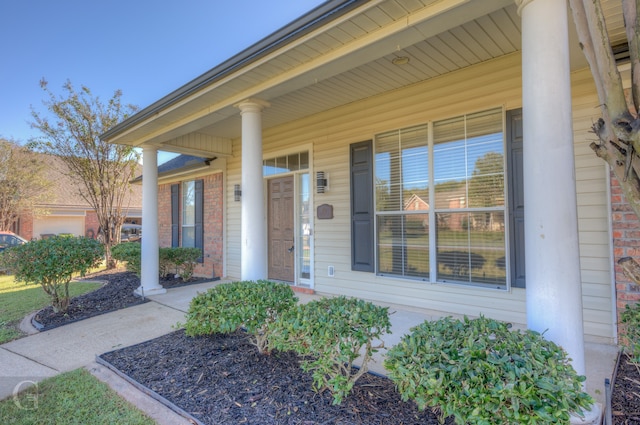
x=91, y=225
x=213, y=231
x=25, y=228
x=164, y=215
x=626, y=243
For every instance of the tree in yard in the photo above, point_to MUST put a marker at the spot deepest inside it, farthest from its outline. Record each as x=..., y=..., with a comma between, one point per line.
x=103, y=170
x=22, y=183
x=618, y=130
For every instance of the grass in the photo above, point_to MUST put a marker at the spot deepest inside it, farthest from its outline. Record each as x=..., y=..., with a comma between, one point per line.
x=75, y=397
x=17, y=300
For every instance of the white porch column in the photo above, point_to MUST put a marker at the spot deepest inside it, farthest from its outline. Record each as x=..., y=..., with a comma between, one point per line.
x=253, y=231
x=149, y=282
x=554, y=288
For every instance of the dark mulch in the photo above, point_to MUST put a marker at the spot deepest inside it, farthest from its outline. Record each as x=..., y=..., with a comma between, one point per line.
x=115, y=294
x=625, y=398
x=169, y=281
x=222, y=379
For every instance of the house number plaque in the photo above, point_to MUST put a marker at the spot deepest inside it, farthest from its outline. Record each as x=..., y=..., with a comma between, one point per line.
x=325, y=212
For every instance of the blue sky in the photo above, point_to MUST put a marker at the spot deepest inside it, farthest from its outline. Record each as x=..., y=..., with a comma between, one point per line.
x=144, y=48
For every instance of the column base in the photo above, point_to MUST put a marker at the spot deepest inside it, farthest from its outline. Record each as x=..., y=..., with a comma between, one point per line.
x=591, y=417
x=145, y=292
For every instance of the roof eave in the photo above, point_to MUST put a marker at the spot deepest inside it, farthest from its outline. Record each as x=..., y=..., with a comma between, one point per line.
x=321, y=15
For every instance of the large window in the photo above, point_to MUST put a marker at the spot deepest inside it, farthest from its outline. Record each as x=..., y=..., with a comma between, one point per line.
x=440, y=201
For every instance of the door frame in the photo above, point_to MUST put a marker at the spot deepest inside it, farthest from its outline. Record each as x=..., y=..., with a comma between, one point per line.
x=298, y=280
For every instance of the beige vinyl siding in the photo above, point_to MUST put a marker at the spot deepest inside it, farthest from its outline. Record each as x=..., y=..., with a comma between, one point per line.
x=488, y=85
x=593, y=212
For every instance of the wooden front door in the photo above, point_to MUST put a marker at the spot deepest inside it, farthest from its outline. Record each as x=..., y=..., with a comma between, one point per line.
x=282, y=252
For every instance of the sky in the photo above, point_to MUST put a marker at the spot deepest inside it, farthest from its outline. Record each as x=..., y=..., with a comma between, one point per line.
x=145, y=48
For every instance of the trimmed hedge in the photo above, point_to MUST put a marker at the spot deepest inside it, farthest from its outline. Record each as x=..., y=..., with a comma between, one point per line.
x=483, y=373
x=330, y=334
x=179, y=260
x=228, y=307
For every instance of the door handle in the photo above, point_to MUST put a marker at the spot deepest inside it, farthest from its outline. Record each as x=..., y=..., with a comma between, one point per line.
x=291, y=249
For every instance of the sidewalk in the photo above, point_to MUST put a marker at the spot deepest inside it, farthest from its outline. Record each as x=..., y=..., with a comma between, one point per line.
x=39, y=356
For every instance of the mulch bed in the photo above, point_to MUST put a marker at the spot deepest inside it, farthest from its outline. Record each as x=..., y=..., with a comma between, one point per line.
x=222, y=379
x=625, y=399
x=115, y=294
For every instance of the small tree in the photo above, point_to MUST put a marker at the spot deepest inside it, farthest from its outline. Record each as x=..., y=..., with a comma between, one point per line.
x=104, y=170
x=52, y=263
x=22, y=183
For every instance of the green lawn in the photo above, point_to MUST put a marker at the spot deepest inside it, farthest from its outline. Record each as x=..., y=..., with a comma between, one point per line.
x=75, y=397
x=17, y=300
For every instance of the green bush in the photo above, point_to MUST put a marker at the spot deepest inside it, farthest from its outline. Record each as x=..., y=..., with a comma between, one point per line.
x=185, y=260
x=630, y=317
x=482, y=373
x=52, y=263
x=330, y=334
x=130, y=253
x=228, y=307
x=182, y=260
x=166, y=265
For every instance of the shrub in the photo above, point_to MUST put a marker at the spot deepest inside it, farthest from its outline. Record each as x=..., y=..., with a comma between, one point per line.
x=166, y=265
x=329, y=334
x=129, y=253
x=228, y=307
x=482, y=373
x=631, y=341
x=182, y=260
x=185, y=260
x=52, y=263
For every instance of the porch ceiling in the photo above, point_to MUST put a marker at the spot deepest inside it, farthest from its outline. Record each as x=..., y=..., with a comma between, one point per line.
x=348, y=59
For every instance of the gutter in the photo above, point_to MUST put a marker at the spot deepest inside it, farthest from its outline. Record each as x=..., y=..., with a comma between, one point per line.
x=204, y=165
x=321, y=15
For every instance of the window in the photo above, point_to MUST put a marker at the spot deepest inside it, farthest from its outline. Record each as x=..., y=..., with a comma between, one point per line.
x=440, y=201
x=468, y=157
x=188, y=214
x=402, y=202
x=285, y=164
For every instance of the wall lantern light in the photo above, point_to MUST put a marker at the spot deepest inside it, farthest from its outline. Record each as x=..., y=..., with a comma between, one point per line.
x=322, y=182
x=237, y=192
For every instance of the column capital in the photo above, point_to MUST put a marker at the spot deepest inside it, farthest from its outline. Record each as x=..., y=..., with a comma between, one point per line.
x=521, y=5
x=252, y=105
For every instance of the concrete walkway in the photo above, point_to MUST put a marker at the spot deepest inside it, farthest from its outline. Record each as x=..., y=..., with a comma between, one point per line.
x=33, y=358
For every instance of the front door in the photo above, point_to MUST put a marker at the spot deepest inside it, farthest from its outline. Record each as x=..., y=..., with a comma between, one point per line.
x=282, y=251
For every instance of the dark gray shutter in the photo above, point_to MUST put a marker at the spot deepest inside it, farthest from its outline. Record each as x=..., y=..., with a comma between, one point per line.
x=199, y=218
x=516, y=197
x=362, y=214
x=175, y=215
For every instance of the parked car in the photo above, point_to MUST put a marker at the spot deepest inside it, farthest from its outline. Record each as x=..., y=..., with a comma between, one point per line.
x=131, y=233
x=8, y=239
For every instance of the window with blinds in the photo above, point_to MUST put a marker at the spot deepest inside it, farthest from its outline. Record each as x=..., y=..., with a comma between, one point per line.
x=402, y=202
x=460, y=171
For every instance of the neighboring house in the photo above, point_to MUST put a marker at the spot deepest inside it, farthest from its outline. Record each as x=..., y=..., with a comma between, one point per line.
x=67, y=212
x=324, y=130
